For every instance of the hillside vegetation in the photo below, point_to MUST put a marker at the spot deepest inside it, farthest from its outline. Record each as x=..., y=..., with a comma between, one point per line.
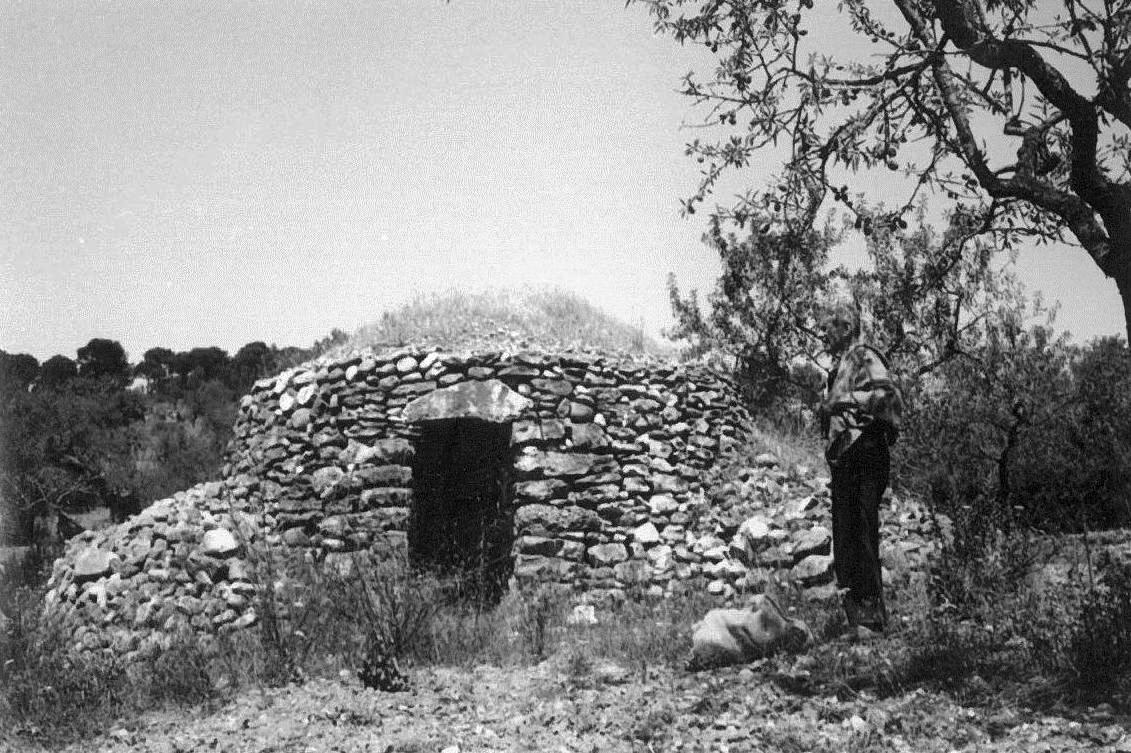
x=1020, y=631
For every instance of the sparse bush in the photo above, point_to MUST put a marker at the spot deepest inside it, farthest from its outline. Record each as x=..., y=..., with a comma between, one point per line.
x=543, y=610
x=52, y=693
x=399, y=604
x=1099, y=649
x=1081, y=627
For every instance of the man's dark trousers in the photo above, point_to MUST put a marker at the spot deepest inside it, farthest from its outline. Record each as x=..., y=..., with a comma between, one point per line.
x=859, y=479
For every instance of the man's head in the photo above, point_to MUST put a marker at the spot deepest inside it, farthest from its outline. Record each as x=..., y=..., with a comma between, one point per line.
x=840, y=327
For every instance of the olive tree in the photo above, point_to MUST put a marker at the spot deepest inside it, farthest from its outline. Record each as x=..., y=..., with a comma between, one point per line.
x=1014, y=113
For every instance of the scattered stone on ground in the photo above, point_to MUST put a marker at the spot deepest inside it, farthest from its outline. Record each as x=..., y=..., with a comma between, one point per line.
x=546, y=708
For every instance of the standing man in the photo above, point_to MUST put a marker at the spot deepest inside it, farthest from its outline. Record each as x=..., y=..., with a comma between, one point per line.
x=860, y=418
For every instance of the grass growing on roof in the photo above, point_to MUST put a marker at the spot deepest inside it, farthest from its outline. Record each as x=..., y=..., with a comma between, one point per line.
x=547, y=317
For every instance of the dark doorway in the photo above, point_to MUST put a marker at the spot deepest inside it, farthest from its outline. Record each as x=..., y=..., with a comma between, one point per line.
x=462, y=521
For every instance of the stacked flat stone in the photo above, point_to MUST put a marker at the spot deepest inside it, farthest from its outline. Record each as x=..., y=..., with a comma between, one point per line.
x=609, y=456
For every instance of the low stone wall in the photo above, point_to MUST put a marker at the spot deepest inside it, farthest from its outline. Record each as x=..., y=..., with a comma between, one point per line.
x=179, y=564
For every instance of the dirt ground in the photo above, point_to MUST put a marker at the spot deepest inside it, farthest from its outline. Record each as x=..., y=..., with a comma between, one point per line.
x=562, y=706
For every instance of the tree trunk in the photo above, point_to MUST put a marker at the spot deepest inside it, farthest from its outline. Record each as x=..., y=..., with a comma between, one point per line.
x=1123, y=284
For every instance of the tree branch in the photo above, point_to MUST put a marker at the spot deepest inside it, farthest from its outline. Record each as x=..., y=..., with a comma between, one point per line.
x=962, y=21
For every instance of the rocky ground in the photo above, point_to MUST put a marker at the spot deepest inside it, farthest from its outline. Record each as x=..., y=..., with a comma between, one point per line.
x=578, y=706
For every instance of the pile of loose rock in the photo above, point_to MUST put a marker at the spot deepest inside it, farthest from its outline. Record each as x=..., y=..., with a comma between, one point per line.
x=178, y=565
x=773, y=525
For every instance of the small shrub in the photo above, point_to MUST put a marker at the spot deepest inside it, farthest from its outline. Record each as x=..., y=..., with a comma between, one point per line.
x=1081, y=629
x=1099, y=649
x=541, y=612
x=399, y=604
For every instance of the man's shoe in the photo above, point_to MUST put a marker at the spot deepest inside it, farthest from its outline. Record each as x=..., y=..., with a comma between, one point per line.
x=872, y=615
x=863, y=634
x=866, y=613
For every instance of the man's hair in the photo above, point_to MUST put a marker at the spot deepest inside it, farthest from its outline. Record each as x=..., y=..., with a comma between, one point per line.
x=845, y=312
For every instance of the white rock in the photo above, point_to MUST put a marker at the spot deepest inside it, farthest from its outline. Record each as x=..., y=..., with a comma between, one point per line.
x=583, y=614
x=662, y=504
x=219, y=542
x=646, y=534
x=281, y=383
x=93, y=563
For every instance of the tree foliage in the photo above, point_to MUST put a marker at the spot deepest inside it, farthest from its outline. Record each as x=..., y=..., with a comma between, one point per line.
x=927, y=296
x=1015, y=113
x=156, y=363
x=103, y=358
x=1029, y=426
x=72, y=437
x=17, y=371
x=57, y=370
x=63, y=449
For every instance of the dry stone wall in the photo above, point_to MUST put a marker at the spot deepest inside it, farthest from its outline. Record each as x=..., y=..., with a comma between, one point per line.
x=608, y=457
x=613, y=483
x=178, y=565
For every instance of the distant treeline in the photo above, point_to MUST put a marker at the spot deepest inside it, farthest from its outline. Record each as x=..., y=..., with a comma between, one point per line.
x=165, y=370
x=96, y=432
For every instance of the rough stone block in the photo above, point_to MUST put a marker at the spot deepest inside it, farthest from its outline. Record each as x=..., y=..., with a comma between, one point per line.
x=588, y=436
x=539, y=545
x=557, y=387
x=219, y=542
x=633, y=572
x=540, y=569
x=604, y=555
x=385, y=496
x=814, y=570
x=392, y=451
x=381, y=519
x=406, y=388
x=663, y=482
x=383, y=475
x=537, y=519
x=646, y=534
x=816, y=540
x=556, y=464
x=93, y=563
x=636, y=485
x=596, y=496
x=541, y=490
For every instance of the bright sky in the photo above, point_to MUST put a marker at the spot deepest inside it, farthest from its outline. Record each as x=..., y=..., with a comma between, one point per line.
x=192, y=174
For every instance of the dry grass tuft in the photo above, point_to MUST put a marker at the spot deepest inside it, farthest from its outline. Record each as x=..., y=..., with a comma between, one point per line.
x=544, y=317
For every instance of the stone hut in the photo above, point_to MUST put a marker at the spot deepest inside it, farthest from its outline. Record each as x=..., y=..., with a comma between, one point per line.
x=531, y=466
x=584, y=469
